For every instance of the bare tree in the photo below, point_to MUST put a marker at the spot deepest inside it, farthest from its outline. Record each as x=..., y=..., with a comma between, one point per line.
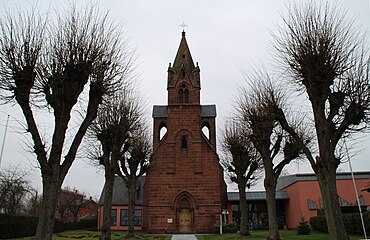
x=33, y=204
x=114, y=128
x=46, y=64
x=132, y=167
x=243, y=167
x=69, y=204
x=257, y=105
x=328, y=61
x=14, y=190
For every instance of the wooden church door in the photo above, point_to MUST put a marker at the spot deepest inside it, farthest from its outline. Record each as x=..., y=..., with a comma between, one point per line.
x=185, y=220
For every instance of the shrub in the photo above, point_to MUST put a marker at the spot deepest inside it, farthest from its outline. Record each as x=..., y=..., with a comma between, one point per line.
x=61, y=226
x=228, y=228
x=352, y=223
x=319, y=224
x=17, y=226
x=303, y=228
x=24, y=226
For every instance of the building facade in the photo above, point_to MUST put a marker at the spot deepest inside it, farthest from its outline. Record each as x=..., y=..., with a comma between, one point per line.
x=297, y=196
x=185, y=190
x=305, y=196
x=119, y=210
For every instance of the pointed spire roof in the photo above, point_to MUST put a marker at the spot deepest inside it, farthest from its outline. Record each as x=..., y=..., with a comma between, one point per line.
x=184, y=63
x=183, y=56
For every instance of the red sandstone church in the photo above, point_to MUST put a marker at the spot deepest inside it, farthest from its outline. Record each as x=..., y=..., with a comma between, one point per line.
x=185, y=190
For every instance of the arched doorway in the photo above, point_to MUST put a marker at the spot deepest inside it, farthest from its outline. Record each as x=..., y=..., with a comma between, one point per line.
x=185, y=217
x=184, y=205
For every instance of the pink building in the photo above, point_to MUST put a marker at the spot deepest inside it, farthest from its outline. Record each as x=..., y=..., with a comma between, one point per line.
x=305, y=197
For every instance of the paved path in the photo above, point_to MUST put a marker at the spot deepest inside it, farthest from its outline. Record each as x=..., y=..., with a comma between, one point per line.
x=183, y=237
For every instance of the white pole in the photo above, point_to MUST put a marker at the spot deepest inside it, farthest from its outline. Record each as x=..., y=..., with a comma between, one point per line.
x=220, y=223
x=355, y=187
x=2, y=148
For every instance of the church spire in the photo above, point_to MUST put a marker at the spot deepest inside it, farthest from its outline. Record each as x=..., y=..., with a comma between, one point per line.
x=183, y=67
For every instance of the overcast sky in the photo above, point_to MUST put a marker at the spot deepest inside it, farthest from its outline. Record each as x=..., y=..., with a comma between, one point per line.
x=225, y=37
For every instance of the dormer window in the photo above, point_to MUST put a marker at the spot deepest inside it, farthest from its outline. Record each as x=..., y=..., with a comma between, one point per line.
x=183, y=94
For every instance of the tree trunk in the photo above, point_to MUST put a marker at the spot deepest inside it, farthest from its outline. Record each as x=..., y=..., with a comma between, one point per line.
x=270, y=187
x=131, y=208
x=333, y=214
x=45, y=226
x=244, y=226
x=107, y=205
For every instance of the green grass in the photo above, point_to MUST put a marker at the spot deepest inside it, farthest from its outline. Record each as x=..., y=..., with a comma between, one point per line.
x=256, y=235
x=93, y=235
x=262, y=235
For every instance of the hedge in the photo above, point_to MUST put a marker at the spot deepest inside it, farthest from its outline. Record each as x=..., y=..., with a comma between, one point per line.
x=352, y=223
x=228, y=228
x=24, y=226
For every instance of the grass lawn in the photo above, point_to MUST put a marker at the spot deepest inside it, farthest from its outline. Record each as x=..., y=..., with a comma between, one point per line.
x=256, y=235
x=262, y=235
x=93, y=235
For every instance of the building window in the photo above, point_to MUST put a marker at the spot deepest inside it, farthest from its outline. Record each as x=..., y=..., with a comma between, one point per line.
x=235, y=213
x=183, y=94
x=311, y=204
x=184, y=143
x=137, y=218
x=124, y=217
x=113, y=217
x=206, y=130
x=162, y=130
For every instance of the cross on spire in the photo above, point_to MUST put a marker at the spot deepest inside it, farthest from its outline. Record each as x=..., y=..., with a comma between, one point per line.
x=183, y=25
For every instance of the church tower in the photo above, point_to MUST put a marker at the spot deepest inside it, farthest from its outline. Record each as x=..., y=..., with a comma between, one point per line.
x=184, y=190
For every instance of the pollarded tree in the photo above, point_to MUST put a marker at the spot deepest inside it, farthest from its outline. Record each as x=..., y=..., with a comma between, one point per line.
x=116, y=127
x=46, y=64
x=243, y=166
x=257, y=105
x=328, y=62
x=133, y=166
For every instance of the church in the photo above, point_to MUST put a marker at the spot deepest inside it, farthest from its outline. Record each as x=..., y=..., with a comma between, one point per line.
x=185, y=192
x=185, y=189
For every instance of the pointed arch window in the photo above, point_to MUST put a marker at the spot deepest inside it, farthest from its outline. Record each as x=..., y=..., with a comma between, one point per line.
x=162, y=130
x=184, y=142
x=183, y=94
x=206, y=130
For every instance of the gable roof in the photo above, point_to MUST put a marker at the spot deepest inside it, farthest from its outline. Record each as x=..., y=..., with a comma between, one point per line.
x=285, y=181
x=120, y=193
